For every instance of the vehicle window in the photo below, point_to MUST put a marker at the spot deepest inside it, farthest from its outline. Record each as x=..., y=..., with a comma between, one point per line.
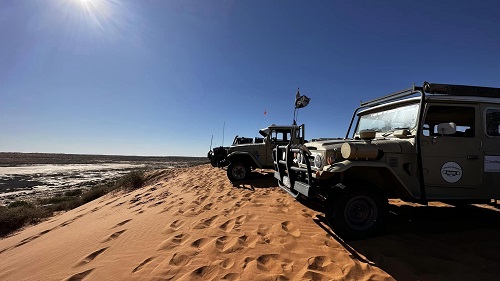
x=280, y=135
x=493, y=122
x=462, y=116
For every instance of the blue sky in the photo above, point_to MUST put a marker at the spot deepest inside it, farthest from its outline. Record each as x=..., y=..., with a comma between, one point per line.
x=162, y=77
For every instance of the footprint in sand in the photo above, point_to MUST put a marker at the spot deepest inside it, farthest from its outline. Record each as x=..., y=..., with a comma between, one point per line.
x=208, y=206
x=240, y=220
x=228, y=225
x=91, y=257
x=143, y=264
x=290, y=228
x=274, y=263
x=227, y=263
x=173, y=227
x=204, y=273
x=319, y=263
x=305, y=213
x=248, y=241
x=122, y=223
x=228, y=212
x=233, y=223
x=205, y=223
x=176, y=224
x=198, y=243
x=227, y=244
x=263, y=229
x=181, y=259
x=241, y=203
x=321, y=268
x=113, y=236
x=68, y=222
x=173, y=242
x=156, y=204
x=79, y=276
x=111, y=202
x=231, y=276
x=119, y=204
x=200, y=200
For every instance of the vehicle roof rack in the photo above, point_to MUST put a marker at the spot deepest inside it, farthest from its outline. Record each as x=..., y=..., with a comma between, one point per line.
x=461, y=90
x=437, y=89
x=387, y=98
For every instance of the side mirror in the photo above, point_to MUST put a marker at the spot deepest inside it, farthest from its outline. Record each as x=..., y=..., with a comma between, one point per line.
x=447, y=128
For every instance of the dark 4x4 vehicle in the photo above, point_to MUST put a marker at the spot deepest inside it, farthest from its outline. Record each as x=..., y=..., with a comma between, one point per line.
x=246, y=154
x=432, y=143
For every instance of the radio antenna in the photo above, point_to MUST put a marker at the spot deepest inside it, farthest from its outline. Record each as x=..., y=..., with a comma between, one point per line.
x=223, y=128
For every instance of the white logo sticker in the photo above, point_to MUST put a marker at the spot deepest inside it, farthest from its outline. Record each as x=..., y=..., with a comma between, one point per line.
x=451, y=172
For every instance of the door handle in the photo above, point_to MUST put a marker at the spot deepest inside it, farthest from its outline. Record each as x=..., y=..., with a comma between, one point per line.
x=472, y=157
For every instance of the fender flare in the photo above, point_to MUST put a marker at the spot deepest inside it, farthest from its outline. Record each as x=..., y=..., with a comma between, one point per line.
x=348, y=165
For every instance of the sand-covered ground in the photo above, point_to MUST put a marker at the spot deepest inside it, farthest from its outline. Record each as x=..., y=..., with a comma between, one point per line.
x=193, y=224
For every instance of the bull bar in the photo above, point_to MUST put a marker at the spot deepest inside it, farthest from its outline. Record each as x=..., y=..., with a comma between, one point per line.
x=287, y=173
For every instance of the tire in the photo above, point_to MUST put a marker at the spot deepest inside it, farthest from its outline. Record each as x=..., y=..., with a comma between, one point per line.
x=213, y=161
x=357, y=213
x=238, y=171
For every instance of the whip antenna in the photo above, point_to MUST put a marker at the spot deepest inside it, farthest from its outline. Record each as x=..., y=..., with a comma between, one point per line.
x=223, y=128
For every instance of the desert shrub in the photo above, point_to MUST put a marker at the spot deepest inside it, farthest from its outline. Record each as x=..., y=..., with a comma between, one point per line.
x=55, y=200
x=25, y=204
x=94, y=193
x=74, y=192
x=65, y=205
x=14, y=218
x=131, y=181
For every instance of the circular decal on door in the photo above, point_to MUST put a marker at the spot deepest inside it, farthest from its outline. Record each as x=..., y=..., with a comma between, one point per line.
x=451, y=172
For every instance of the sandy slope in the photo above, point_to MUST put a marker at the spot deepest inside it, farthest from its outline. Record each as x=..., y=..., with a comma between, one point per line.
x=192, y=224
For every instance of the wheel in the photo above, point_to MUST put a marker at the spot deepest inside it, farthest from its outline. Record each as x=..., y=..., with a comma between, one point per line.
x=237, y=171
x=357, y=214
x=213, y=161
x=217, y=161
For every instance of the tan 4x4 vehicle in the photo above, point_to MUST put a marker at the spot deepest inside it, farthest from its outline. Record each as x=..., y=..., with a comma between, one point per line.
x=432, y=143
x=246, y=154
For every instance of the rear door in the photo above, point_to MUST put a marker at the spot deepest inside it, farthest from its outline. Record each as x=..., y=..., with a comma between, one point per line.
x=455, y=160
x=491, y=147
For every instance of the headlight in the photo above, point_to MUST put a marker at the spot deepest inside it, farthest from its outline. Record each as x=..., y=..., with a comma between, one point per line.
x=283, y=156
x=318, y=161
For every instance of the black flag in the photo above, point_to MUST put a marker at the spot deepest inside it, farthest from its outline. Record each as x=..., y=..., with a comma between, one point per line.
x=301, y=101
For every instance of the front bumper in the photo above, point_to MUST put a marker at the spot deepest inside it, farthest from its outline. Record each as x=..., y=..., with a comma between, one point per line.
x=291, y=178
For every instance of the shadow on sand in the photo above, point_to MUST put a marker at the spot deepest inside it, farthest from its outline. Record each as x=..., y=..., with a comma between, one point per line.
x=421, y=242
x=433, y=243
x=257, y=180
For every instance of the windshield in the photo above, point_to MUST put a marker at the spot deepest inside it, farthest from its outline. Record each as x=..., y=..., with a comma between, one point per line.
x=404, y=117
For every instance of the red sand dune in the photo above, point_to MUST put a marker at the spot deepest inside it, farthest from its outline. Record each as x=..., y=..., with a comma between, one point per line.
x=192, y=224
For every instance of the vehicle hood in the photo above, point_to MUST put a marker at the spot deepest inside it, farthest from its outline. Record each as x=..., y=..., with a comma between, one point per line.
x=385, y=145
x=324, y=144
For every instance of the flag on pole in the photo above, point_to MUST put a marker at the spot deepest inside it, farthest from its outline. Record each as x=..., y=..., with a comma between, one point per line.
x=301, y=101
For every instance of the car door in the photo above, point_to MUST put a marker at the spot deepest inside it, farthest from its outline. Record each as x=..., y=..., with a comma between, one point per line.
x=451, y=160
x=491, y=147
